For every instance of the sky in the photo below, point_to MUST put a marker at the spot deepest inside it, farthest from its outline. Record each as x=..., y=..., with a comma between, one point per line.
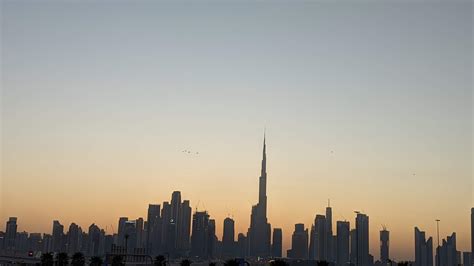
x=365, y=103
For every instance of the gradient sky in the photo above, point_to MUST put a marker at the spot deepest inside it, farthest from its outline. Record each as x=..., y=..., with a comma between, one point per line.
x=366, y=103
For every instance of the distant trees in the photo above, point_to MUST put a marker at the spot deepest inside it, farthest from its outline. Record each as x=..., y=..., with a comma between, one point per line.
x=62, y=259
x=185, y=262
x=78, y=259
x=160, y=260
x=117, y=261
x=47, y=259
x=96, y=261
x=232, y=262
x=278, y=262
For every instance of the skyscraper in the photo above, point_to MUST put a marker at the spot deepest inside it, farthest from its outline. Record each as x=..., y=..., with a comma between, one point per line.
x=353, y=236
x=121, y=230
x=384, y=245
x=10, y=233
x=58, y=232
x=342, y=243
x=277, y=244
x=228, y=238
x=153, y=231
x=320, y=238
x=362, y=234
x=299, y=243
x=447, y=254
x=200, y=234
x=472, y=231
x=73, y=238
x=260, y=230
x=423, y=249
x=139, y=232
x=330, y=253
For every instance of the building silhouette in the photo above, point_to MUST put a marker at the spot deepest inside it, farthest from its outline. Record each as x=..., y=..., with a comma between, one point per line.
x=342, y=231
x=10, y=233
x=121, y=231
x=200, y=235
x=362, y=240
x=384, y=245
x=74, y=237
x=228, y=238
x=259, y=232
x=277, y=244
x=466, y=259
x=472, y=231
x=447, y=254
x=329, y=245
x=423, y=249
x=58, y=232
x=318, y=246
x=299, y=243
x=153, y=230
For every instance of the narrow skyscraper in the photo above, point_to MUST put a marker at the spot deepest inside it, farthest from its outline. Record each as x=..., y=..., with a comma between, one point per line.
x=10, y=234
x=299, y=243
x=384, y=245
x=342, y=243
x=260, y=230
x=362, y=234
x=277, y=242
x=228, y=238
x=423, y=249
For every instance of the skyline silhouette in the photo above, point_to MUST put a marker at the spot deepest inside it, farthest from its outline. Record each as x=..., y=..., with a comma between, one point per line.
x=107, y=108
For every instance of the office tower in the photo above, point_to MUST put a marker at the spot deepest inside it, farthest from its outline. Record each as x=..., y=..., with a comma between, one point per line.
x=320, y=238
x=423, y=249
x=353, y=236
x=21, y=241
x=94, y=241
x=200, y=234
x=277, y=242
x=184, y=227
x=139, y=232
x=228, y=238
x=466, y=259
x=447, y=254
x=384, y=245
x=299, y=243
x=47, y=243
x=35, y=242
x=260, y=230
x=342, y=246
x=472, y=231
x=58, y=232
x=242, y=245
x=121, y=231
x=312, y=243
x=73, y=237
x=153, y=232
x=130, y=236
x=362, y=241
x=330, y=253
x=212, y=239
x=10, y=233
x=176, y=223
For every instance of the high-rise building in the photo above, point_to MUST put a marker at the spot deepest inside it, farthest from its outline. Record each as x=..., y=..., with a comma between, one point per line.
x=73, y=238
x=423, y=249
x=10, y=233
x=353, y=236
x=212, y=239
x=242, y=244
x=343, y=228
x=299, y=243
x=466, y=259
x=200, y=234
x=139, y=232
x=320, y=246
x=447, y=254
x=58, y=233
x=176, y=226
x=330, y=252
x=472, y=231
x=121, y=231
x=228, y=238
x=362, y=242
x=95, y=241
x=259, y=233
x=384, y=245
x=277, y=244
x=153, y=230
x=130, y=235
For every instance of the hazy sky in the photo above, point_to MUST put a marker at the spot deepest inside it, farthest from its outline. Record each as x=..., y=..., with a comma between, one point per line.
x=366, y=103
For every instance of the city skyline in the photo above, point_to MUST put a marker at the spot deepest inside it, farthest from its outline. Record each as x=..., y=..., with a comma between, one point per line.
x=106, y=108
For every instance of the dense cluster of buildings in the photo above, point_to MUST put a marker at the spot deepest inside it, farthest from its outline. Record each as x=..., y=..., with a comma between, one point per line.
x=171, y=229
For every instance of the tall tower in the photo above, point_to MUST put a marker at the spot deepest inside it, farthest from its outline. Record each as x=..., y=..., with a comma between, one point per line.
x=259, y=233
x=384, y=245
x=262, y=192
